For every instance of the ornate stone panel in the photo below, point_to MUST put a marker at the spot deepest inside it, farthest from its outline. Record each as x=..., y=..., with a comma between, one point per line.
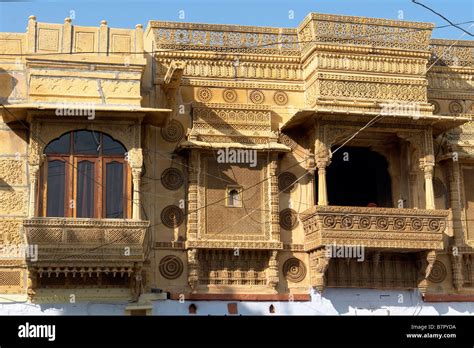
x=377, y=228
x=87, y=241
x=238, y=125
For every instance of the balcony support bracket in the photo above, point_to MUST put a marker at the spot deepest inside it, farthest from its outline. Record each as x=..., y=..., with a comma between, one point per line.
x=319, y=263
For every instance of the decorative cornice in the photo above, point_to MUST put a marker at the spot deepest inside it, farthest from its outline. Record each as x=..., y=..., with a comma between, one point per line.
x=227, y=244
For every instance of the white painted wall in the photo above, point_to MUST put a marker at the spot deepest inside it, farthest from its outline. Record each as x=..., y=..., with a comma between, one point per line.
x=332, y=302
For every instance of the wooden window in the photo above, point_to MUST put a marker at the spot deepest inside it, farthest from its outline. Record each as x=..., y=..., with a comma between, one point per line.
x=85, y=175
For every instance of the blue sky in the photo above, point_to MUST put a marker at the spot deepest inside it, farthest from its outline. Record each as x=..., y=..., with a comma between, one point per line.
x=125, y=14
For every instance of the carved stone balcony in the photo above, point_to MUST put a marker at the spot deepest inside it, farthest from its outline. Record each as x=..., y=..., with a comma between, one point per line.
x=383, y=229
x=101, y=243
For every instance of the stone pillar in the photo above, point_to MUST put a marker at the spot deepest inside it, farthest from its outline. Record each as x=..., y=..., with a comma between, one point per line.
x=136, y=162
x=274, y=197
x=34, y=173
x=458, y=232
x=103, y=38
x=456, y=264
x=429, y=192
x=322, y=187
x=67, y=36
x=31, y=34
x=139, y=40
x=193, y=195
x=136, y=173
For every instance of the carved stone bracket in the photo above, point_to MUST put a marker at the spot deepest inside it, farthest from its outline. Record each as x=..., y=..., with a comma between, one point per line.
x=172, y=81
x=193, y=275
x=298, y=150
x=272, y=271
x=318, y=263
x=426, y=263
x=31, y=284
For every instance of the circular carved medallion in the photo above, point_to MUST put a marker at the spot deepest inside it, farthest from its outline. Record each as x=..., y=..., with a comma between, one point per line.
x=257, y=97
x=171, y=267
x=287, y=182
x=294, y=270
x=204, y=94
x=347, y=222
x=382, y=223
x=288, y=219
x=455, y=107
x=172, y=178
x=364, y=222
x=438, y=272
x=399, y=223
x=434, y=225
x=417, y=224
x=172, y=216
x=437, y=108
x=229, y=95
x=173, y=132
x=329, y=221
x=280, y=98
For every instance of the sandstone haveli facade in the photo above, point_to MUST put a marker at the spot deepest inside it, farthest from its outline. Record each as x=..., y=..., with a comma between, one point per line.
x=128, y=196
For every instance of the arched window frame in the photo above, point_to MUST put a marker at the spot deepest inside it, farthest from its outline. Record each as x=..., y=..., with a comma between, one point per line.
x=71, y=162
x=234, y=201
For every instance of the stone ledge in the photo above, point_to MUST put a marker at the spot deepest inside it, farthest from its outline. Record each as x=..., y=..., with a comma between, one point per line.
x=243, y=297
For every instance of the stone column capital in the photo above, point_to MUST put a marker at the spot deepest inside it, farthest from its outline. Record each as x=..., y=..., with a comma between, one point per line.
x=322, y=162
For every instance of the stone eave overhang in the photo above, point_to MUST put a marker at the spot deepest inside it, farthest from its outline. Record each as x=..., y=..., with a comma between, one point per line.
x=439, y=123
x=26, y=112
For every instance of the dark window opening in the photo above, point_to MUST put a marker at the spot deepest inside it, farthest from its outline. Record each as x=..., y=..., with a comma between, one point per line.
x=85, y=189
x=358, y=176
x=114, y=190
x=192, y=309
x=233, y=198
x=56, y=183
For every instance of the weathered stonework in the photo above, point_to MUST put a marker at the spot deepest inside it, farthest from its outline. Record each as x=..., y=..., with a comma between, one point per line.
x=176, y=93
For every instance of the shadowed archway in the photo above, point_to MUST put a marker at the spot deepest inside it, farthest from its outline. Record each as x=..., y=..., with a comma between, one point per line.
x=358, y=176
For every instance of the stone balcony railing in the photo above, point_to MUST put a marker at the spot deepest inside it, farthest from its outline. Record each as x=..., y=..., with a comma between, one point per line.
x=373, y=32
x=374, y=228
x=76, y=242
x=453, y=53
x=194, y=36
